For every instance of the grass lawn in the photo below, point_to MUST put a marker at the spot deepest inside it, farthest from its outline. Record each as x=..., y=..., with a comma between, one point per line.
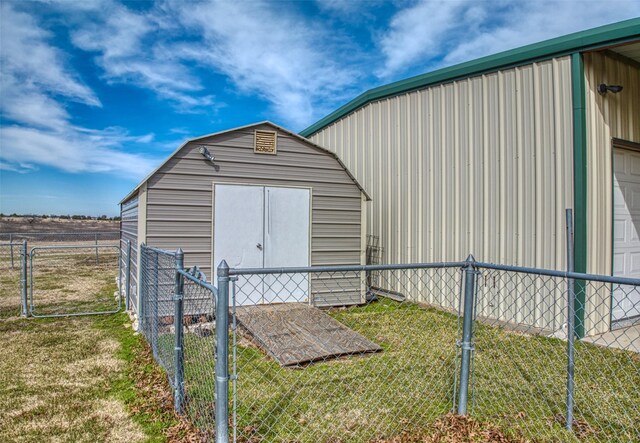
x=519, y=384
x=92, y=379
x=64, y=281
x=79, y=379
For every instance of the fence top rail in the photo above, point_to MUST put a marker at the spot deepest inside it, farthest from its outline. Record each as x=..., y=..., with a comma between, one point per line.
x=197, y=281
x=561, y=274
x=158, y=250
x=91, y=247
x=459, y=264
x=345, y=268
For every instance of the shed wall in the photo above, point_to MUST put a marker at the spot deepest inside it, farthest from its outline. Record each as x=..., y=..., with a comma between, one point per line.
x=180, y=210
x=129, y=231
x=608, y=116
x=481, y=165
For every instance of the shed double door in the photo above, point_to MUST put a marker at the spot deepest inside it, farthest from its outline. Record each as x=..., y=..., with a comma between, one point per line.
x=263, y=227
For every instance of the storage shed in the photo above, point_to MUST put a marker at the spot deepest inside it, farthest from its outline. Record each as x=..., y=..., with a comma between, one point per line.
x=256, y=196
x=484, y=157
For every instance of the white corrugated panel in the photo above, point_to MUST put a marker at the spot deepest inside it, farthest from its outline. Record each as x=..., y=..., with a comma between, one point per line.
x=481, y=165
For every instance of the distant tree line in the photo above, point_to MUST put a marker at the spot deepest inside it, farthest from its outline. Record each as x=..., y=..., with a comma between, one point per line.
x=64, y=217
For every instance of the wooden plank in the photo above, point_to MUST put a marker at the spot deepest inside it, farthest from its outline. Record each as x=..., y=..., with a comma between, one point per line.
x=297, y=333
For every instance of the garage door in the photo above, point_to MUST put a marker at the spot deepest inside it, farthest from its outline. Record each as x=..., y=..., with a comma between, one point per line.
x=264, y=227
x=626, y=229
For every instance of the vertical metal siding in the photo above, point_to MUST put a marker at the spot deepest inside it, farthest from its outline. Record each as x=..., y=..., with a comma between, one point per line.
x=129, y=231
x=481, y=165
x=608, y=116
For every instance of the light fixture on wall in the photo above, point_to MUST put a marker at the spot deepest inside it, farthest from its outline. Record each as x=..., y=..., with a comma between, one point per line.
x=603, y=88
x=206, y=154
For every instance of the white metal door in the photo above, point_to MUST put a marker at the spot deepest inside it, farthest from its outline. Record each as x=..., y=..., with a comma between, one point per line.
x=286, y=243
x=626, y=229
x=238, y=234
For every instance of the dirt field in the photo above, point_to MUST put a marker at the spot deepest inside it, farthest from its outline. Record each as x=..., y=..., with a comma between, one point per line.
x=37, y=224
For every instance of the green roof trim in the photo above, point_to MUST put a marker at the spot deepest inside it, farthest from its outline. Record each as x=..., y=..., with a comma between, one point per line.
x=579, y=106
x=580, y=41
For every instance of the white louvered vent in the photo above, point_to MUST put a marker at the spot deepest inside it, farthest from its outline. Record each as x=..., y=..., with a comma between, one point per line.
x=265, y=142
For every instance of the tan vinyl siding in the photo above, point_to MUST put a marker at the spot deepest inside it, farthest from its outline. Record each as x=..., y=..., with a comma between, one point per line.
x=483, y=165
x=179, y=204
x=608, y=116
x=129, y=231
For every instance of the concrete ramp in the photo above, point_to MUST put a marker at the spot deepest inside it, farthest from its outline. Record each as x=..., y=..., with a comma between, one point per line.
x=297, y=333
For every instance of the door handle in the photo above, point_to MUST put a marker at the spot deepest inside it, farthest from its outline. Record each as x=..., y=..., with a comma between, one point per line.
x=259, y=246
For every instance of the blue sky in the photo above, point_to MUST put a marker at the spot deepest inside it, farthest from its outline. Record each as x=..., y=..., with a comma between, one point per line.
x=94, y=94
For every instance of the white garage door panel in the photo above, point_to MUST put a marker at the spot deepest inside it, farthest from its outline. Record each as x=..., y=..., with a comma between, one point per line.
x=618, y=264
x=286, y=242
x=634, y=267
x=619, y=230
x=626, y=228
x=634, y=165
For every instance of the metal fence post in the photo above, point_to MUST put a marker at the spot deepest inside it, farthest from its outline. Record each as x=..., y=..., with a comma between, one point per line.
x=155, y=319
x=177, y=322
x=23, y=278
x=143, y=287
x=120, y=258
x=127, y=278
x=97, y=258
x=11, y=248
x=222, y=355
x=570, y=323
x=467, y=331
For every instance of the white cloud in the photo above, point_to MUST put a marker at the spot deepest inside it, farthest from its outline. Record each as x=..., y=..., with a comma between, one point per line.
x=34, y=85
x=266, y=49
x=418, y=32
x=75, y=151
x=433, y=33
x=29, y=61
x=129, y=47
x=295, y=63
x=351, y=9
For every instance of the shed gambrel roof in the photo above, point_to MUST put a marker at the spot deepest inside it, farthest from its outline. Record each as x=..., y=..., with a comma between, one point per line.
x=601, y=37
x=273, y=125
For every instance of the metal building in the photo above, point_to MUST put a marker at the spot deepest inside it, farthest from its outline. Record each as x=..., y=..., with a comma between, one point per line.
x=485, y=156
x=256, y=196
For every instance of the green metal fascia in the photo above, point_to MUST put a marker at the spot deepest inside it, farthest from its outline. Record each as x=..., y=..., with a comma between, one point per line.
x=579, y=185
x=565, y=45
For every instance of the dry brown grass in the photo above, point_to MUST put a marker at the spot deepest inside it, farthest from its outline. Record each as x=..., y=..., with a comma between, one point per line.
x=62, y=280
x=73, y=282
x=453, y=428
x=39, y=224
x=53, y=379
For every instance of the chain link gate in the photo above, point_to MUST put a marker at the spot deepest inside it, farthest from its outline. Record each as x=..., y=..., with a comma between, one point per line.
x=318, y=355
x=13, y=278
x=73, y=280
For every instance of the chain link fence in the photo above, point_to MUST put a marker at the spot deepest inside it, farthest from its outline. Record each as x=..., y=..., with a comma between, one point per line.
x=48, y=238
x=12, y=279
x=73, y=280
x=319, y=354
x=381, y=362
x=48, y=274
x=178, y=320
x=156, y=313
x=529, y=377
